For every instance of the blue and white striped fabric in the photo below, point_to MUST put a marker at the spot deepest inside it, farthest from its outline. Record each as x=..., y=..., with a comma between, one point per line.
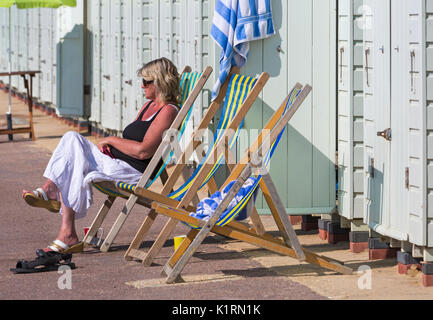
x=207, y=206
x=235, y=23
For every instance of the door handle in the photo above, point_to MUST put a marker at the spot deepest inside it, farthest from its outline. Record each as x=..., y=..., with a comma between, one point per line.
x=341, y=64
x=367, y=53
x=107, y=76
x=412, y=70
x=386, y=134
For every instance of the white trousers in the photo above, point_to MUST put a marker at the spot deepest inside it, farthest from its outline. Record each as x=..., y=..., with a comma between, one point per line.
x=76, y=163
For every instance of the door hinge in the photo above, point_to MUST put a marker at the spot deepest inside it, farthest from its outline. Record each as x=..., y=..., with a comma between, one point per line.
x=406, y=177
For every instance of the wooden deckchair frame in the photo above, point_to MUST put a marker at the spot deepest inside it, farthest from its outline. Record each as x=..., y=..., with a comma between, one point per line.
x=89, y=238
x=133, y=251
x=289, y=246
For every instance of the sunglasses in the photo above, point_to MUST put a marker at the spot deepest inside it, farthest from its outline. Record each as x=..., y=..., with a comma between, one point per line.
x=146, y=83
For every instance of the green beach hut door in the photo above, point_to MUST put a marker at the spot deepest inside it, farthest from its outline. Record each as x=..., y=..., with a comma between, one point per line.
x=304, y=49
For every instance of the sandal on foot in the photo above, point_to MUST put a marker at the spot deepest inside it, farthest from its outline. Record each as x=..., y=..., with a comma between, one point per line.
x=38, y=198
x=61, y=247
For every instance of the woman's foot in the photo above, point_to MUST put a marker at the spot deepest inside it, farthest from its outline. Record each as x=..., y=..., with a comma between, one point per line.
x=66, y=242
x=45, y=197
x=61, y=247
x=68, y=239
x=49, y=188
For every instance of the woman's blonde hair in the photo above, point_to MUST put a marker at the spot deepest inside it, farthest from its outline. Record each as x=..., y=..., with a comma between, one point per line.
x=165, y=77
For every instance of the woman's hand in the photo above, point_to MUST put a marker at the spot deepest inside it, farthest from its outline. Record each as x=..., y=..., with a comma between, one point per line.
x=104, y=144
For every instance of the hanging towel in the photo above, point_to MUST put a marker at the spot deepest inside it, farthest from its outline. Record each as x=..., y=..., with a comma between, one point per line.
x=235, y=23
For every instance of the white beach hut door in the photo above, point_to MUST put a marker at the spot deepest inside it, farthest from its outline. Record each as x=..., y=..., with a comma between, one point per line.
x=116, y=83
x=46, y=54
x=96, y=61
x=105, y=63
x=395, y=220
x=22, y=46
x=152, y=47
x=52, y=48
x=34, y=50
x=137, y=55
x=418, y=119
x=127, y=55
x=166, y=27
x=387, y=48
x=14, y=44
x=376, y=109
x=110, y=64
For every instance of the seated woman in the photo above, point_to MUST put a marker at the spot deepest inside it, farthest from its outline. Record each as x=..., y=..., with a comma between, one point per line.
x=76, y=162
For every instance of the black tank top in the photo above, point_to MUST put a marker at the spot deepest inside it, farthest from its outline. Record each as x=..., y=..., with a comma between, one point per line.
x=136, y=131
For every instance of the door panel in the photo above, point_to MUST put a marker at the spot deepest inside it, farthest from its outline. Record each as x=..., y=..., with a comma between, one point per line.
x=377, y=112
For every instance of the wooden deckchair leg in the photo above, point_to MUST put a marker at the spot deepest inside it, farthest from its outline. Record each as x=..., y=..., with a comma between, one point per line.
x=159, y=242
x=180, y=250
x=174, y=272
x=280, y=215
x=97, y=222
x=139, y=237
x=121, y=218
x=118, y=223
x=256, y=221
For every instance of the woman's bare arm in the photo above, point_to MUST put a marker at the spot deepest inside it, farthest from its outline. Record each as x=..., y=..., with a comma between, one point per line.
x=146, y=148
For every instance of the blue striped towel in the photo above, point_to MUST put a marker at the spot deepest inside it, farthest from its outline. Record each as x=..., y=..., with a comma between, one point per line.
x=207, y=206
x=235, y=23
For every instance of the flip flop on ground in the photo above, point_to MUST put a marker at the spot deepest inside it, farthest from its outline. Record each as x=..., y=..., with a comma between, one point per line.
x=38, y=198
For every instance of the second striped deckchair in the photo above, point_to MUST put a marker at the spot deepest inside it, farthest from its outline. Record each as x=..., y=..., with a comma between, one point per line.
x=239, y=93
x=191, y=84
x=220, y=221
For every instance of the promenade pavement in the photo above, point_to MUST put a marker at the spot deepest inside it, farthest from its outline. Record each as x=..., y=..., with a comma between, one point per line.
x=221, y=269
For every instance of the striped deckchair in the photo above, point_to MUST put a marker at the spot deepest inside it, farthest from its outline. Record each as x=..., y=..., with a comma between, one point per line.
x=221, y=221
x=239, y=93
x=191, y=85
x=229, y=214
